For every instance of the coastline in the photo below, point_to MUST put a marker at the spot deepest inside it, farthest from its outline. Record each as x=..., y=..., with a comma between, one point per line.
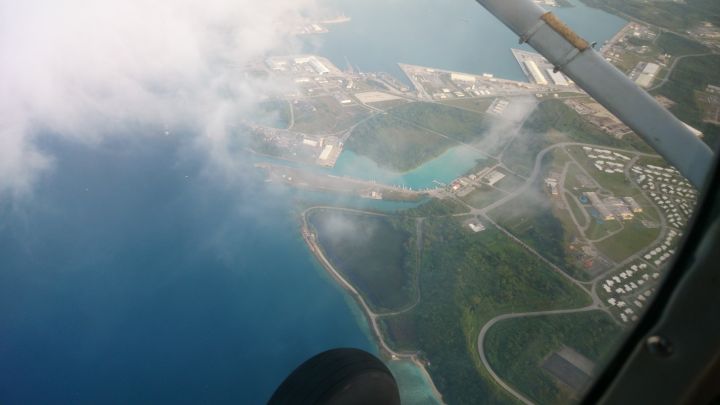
x=370, y=316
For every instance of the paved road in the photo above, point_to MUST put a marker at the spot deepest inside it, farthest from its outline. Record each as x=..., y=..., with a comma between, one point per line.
x=372, y=316
x=538, y=166
x=591, y=291
x=672, y=68
x=292, y=115
x=492, y=322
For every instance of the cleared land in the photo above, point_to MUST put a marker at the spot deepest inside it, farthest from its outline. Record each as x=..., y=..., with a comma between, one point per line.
x=375, y=97
x=325, y=115
x=632, y=239
x=517, y=348
x=483, y=197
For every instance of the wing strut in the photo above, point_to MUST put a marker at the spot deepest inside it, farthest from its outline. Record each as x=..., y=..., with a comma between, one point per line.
x=577, y=59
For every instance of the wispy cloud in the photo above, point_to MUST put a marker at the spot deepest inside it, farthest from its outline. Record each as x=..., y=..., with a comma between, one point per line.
x=86, y=70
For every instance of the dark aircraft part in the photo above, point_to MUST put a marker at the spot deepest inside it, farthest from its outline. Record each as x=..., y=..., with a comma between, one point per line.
x=339, y=377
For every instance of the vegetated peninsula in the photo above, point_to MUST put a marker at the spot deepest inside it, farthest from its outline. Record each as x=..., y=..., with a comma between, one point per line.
x=412, y=134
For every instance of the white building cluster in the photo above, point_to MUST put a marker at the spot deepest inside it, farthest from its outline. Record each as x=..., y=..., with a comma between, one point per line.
x=628, y=290
x=668, y=190
x=606, y=161
x=498, y=106
x=660, y=254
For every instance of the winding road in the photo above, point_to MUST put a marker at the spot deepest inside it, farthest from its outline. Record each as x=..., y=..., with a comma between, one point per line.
x=492, y=322
x=373, y=317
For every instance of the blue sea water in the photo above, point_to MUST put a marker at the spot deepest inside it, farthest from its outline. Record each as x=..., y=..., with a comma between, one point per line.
x=455, y=35
x=131, y=276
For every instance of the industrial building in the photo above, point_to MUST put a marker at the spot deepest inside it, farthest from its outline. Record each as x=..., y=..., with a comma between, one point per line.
x=319, y=67
x=552, y=184
x=558, y=78
x=310, y=142
x=536, y=73
x=647, y=75
x=618, y=208
x=325, y=154
x=494, y=177
x=605, y=213
x=498, y=107
x=634, y=206
x=460, y=77
x=476, y=226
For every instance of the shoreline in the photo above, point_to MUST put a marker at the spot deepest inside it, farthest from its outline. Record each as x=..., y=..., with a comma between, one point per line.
x=370, y=316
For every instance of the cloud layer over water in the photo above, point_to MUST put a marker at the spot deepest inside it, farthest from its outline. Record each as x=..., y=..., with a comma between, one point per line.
x=86, y=69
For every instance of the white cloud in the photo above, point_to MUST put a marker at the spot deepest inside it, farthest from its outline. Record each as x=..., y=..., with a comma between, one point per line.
x=87, y=69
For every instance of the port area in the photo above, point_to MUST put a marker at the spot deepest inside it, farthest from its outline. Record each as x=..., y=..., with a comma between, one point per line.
x=300, y=147
x=442, y=85
x=308, y=179
x=541, y=72
x=325, y=104
x=319, y=27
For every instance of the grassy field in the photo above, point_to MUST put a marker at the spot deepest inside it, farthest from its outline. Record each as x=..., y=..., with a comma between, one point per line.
x=483, y=197
x=466, y=279
x=437, y=208
x=375, y=253
x=597, y=230
x=577, y=210
x=396, y=144
x=516, y=349
x=458, y=124
x=629, y=241
x=325, y=115
x=510, y=183
x=479, y=105
x=413, y=133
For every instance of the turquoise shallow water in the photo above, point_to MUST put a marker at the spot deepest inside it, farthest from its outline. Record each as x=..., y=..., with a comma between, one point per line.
x=415, y=385
x=446, y=167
